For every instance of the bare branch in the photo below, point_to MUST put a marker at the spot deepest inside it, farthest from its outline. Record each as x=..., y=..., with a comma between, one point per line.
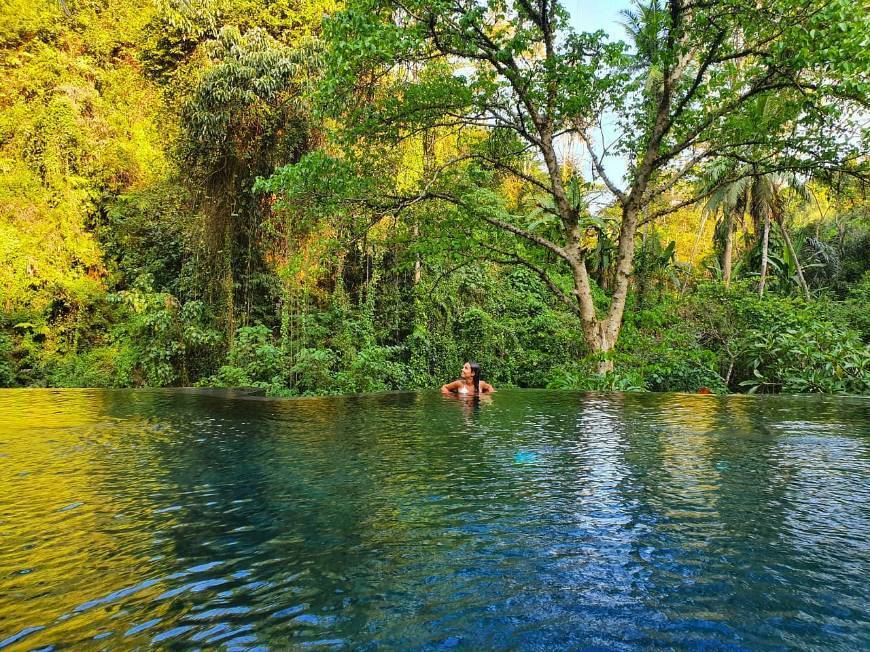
x=715, y=115
x=599, y=167
x=673, y=208
x=699, y=77
x=678, y=175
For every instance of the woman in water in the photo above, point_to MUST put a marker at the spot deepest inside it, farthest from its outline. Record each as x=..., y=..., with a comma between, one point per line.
x=469, y=382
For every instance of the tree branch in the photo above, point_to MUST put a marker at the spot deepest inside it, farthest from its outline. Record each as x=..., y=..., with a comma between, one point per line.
x=512, y=258
x=599, y=167
x=505, y=226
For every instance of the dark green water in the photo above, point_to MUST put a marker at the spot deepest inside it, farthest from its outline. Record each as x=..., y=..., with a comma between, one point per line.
x=534, y=520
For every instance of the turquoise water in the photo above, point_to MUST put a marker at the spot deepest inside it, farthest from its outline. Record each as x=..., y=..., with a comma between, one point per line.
x=527, y=520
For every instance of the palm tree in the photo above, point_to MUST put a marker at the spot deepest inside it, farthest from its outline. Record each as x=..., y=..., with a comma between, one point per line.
x=730, y=203
x=762, y=195
x=644, y=23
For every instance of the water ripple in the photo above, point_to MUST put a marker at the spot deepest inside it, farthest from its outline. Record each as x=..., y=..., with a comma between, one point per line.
x=533, y=520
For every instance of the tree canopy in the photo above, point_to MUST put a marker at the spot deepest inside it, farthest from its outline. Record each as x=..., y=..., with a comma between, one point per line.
x=321, y=197
x=701, y=84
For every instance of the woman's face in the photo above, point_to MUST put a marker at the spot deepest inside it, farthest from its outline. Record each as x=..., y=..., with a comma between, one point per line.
x=466, y=371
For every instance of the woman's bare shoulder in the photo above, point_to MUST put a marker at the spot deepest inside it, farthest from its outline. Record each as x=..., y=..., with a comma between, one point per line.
x=451, y=387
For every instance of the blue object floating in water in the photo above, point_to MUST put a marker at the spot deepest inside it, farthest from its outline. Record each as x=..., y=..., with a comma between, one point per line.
x=525, y=457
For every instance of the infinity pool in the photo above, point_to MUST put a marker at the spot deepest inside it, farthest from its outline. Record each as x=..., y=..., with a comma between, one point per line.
x=527, y=520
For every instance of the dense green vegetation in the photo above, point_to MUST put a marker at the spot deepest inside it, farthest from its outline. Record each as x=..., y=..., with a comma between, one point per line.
x=317, y=197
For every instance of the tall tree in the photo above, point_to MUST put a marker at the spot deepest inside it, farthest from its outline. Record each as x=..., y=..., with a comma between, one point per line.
x=689, y=90
x=240, y=118
x=764, y=197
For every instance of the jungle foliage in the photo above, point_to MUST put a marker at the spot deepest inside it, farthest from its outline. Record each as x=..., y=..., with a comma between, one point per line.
x=312, y=197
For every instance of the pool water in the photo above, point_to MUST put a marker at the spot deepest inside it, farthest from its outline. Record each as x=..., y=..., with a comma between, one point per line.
x=525, y=520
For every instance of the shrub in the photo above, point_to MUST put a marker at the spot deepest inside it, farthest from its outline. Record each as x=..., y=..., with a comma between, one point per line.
x=806, y=356
x=7, y=365
x=664, y=350
x=854, y=310
x=254, y=361
x=779, y=344
x=166, y=334
x=312, y=371
x=105, y=366
x=582, y=376
x=372, y=370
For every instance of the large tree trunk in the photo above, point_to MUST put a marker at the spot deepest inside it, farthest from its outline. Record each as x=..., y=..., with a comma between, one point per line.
x=728, y=249
x=765, y=242
x=601, y=334
x=624, y=261
x=791, y=251
x=592, y=327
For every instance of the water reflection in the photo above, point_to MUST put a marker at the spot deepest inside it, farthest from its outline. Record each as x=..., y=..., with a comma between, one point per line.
x=414, y=520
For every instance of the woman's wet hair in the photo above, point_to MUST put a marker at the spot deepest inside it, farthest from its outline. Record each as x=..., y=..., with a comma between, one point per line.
x=475, y=370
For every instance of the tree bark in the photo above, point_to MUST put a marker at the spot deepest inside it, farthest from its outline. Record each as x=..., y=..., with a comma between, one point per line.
x=624, y=260
x=765, y=241
x=583, y=295
x=601, y=334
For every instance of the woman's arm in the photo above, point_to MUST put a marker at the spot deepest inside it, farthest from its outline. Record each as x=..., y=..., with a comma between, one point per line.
x=486, y=388
x=451, y=387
